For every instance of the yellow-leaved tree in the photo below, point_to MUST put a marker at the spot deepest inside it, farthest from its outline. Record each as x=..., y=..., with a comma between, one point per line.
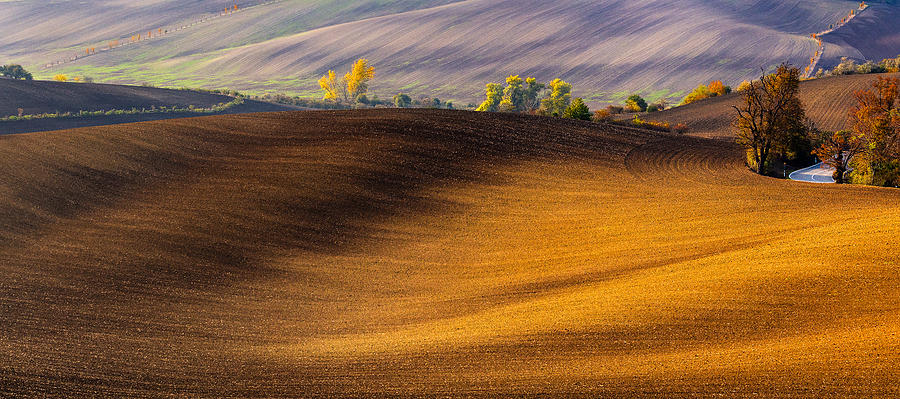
x=333, y=90
x=359, y=77
x=354, y=84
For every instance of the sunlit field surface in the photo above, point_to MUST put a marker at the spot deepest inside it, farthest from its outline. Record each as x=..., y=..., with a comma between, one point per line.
x=419, y=252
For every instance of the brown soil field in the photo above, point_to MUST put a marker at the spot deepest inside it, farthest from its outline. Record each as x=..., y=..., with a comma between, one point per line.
x=38, y=97
x=827, y=101
x=426, y=253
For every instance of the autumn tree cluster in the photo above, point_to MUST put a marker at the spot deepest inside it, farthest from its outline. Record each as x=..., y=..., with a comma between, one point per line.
x=713, y=89
x=15, y=71
x=352, y=88
x=871, y=148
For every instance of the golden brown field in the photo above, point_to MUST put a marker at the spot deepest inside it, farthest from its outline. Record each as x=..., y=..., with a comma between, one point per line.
x=419, y=252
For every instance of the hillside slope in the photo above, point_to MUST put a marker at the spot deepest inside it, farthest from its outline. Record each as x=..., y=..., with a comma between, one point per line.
x=36, y=97
x=39, y=97
x=607, y=49
x=36, y=32
x=827, y=102
x=873, y=35
x=425, y=253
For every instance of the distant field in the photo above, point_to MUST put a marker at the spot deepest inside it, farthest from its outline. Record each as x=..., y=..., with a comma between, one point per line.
x=39, y=97
x=422, y=252
x=443, y=48
x=870, y=36
x=828, y=102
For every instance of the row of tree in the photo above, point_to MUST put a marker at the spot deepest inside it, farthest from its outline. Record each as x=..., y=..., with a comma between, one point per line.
x=772, y=123
x=15, y=71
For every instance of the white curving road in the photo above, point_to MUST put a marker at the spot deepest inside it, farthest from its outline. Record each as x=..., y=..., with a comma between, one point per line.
x=819, y=173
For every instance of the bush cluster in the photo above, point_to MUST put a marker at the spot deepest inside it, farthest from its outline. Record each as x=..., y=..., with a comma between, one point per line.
x=848, y=66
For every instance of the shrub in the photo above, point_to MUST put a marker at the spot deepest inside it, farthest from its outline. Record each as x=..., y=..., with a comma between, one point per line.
x=602, y=115
x=714, y=89
x=652, y=108
x=846, y=67
x=615, y=109
x=870, y=67
x=700, y=93
x=743, y=86
x=891, y=64
x=402, y=100
x=362, y=99
x=717, y=88
x=577, y=110
x=660, y=126
x=635, y=103
x=60, y=78
x=661, y=104
x=15, y=71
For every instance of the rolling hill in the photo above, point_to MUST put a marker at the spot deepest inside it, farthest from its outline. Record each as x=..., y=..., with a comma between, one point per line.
x=660, y=48
x=871, y=36
x=827, y=102
x=40, y=97
x=424, y=252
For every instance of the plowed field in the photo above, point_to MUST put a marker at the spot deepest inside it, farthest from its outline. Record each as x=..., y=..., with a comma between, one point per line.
x=421, y=252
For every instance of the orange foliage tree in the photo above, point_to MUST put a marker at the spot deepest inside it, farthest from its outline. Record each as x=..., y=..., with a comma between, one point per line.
x=838, y=149
x=876, y=120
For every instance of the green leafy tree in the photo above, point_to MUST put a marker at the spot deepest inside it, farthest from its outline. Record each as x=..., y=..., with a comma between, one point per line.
x=493, y=96
x=635, y=103
x=513, y=95
x=559, y=99
x=577, y=110
x=533, y=94
x=402, y=101
x=15, y=71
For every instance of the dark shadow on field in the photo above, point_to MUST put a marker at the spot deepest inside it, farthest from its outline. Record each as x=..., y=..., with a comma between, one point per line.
x=137, y=238
x=224, y=200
